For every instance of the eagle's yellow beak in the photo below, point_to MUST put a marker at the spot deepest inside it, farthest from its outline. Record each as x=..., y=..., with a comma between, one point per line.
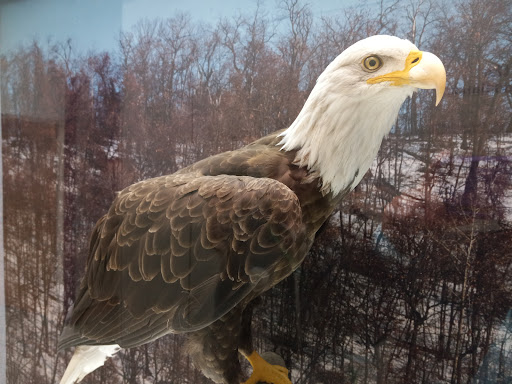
x=422, y=70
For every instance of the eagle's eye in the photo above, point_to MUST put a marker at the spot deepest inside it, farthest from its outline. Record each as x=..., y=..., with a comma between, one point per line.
x=372, y=63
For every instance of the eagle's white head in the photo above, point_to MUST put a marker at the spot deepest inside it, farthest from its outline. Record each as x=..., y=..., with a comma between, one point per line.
x=354, y=105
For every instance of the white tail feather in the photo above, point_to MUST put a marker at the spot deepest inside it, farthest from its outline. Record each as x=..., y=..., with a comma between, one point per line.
x=85, y=360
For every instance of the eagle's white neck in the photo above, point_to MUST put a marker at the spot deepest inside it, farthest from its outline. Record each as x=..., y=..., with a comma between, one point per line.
x=338, y=136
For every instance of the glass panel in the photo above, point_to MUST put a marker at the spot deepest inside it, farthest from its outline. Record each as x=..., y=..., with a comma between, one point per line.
x=409, y=281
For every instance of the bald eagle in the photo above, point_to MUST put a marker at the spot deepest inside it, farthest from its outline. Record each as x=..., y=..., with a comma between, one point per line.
x=188, y=252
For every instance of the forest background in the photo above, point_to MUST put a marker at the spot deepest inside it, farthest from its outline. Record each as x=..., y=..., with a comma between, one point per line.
x=411, y=280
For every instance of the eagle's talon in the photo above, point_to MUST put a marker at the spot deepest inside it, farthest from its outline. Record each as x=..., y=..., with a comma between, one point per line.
x=266, y=372
x=281, y=369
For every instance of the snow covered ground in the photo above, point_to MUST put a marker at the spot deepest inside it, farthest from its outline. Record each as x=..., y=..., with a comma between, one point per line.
x=362, y=330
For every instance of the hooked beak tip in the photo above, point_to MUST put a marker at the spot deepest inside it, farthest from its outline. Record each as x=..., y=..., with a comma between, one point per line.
x=429, y=74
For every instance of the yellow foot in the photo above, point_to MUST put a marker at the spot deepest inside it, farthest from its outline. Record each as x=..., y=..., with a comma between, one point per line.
x=265, y=372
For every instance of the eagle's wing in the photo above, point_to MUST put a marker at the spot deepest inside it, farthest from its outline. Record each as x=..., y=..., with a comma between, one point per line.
x=176, y=253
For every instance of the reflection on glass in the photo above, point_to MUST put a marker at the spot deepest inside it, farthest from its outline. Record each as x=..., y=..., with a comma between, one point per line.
x=410, y=280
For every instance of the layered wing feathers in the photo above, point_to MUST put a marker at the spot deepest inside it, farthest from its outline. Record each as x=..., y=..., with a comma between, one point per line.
x=175, y=253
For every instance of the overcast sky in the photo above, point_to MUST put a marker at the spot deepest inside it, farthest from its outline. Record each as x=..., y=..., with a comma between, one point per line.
x=95, y=24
